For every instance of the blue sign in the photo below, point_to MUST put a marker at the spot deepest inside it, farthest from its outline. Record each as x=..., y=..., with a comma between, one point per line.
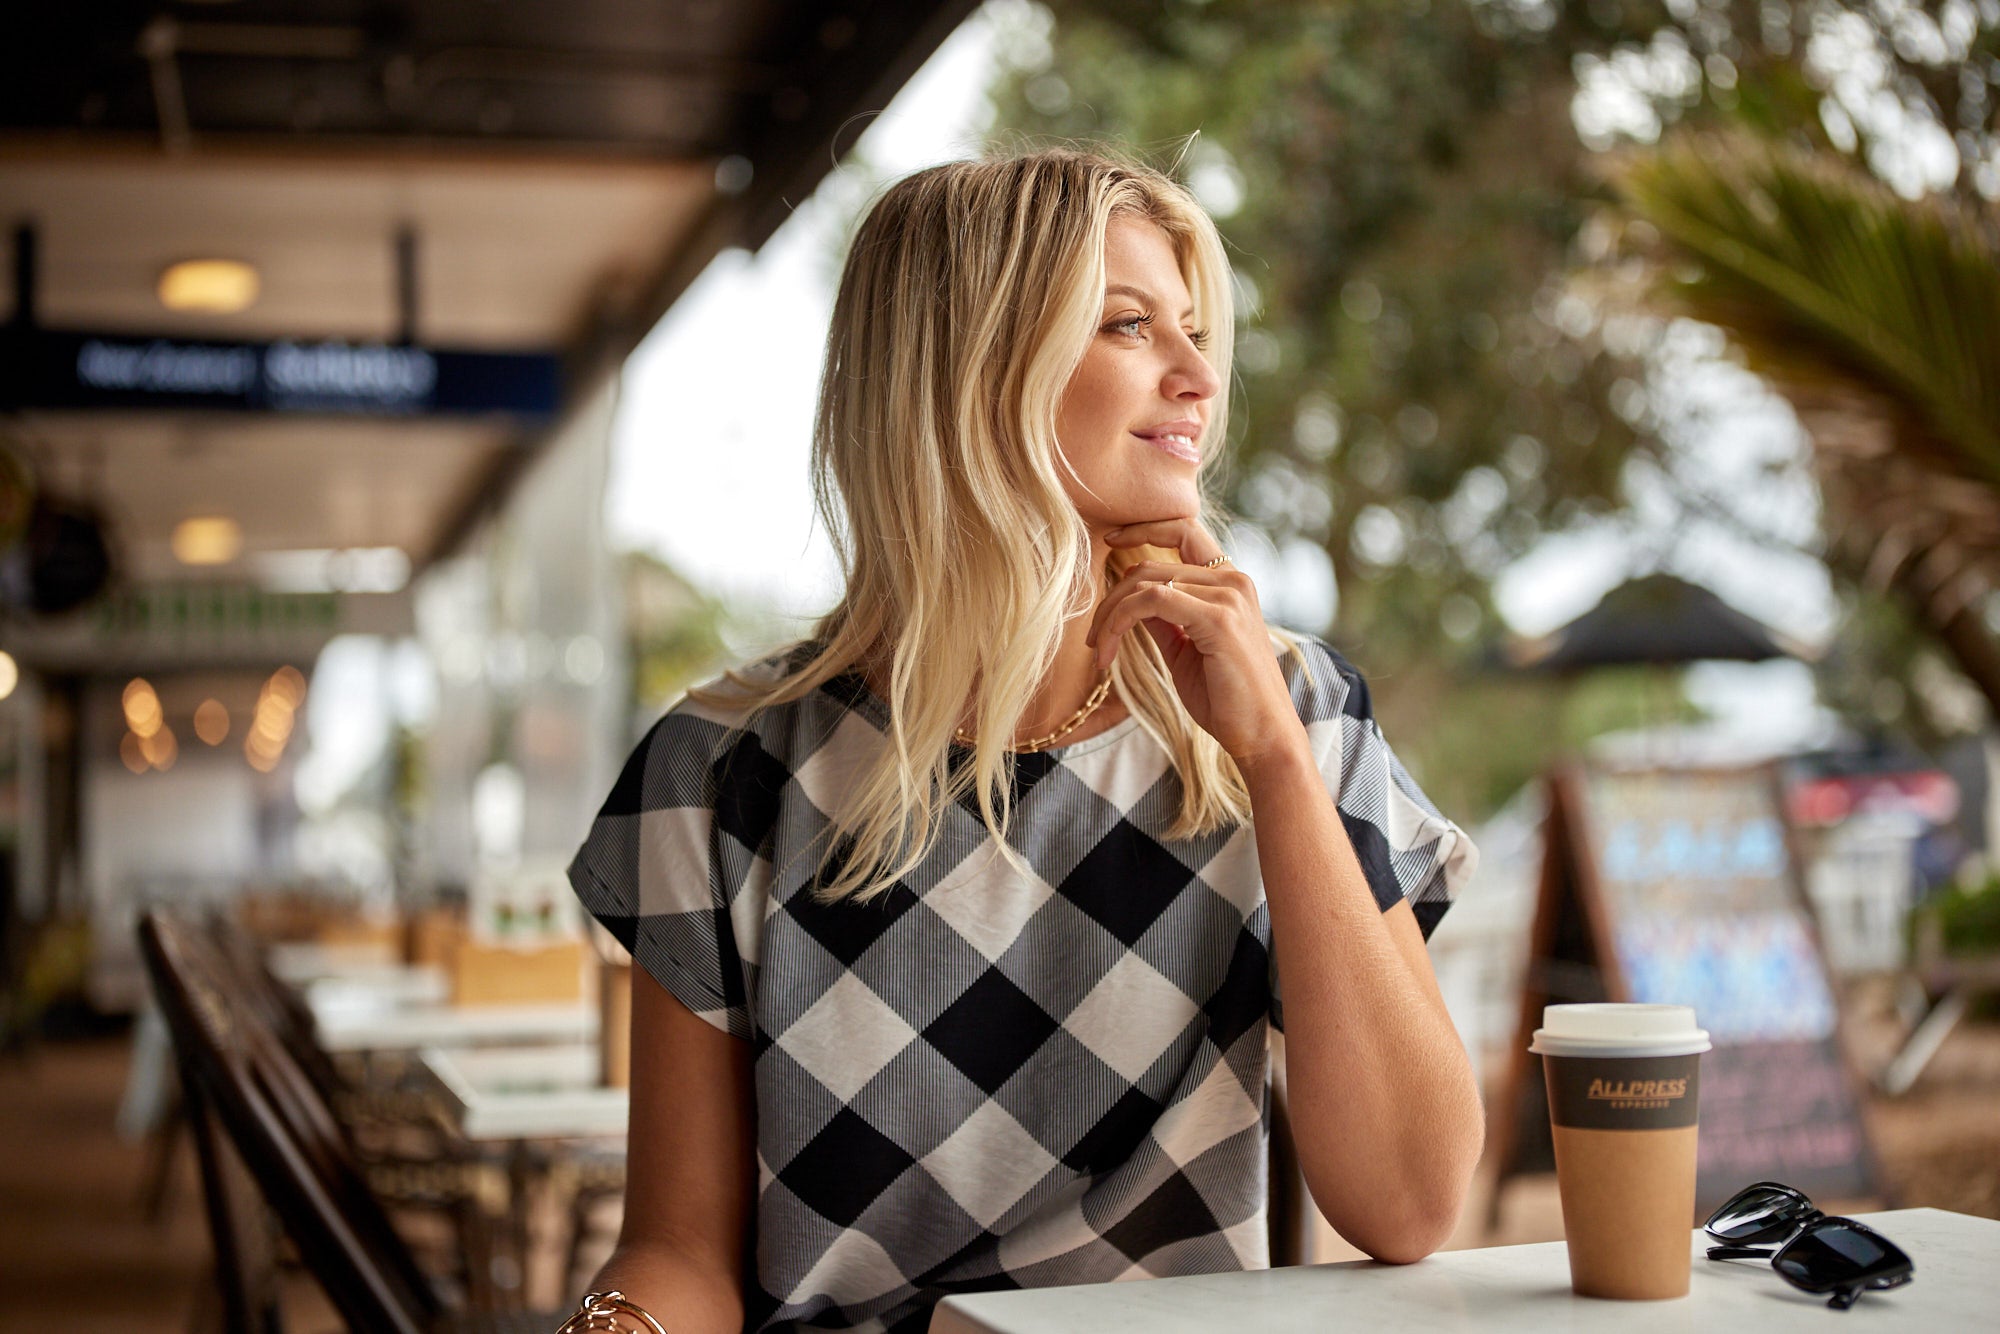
x=42, y=368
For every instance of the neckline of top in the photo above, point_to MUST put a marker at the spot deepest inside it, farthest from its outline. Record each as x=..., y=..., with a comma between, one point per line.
x=860, y=693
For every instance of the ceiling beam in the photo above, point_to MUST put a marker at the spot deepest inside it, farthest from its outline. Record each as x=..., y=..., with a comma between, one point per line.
x=42, y=148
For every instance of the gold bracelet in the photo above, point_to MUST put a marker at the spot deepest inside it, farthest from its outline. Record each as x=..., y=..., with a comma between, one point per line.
x=602, y=1311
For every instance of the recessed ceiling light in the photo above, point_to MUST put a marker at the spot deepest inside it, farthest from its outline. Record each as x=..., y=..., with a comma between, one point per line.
x=209, y=540
x=211, y=286
x=211, y=721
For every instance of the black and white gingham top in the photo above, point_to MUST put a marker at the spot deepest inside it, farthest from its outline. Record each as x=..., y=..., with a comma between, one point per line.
x=982, y=1079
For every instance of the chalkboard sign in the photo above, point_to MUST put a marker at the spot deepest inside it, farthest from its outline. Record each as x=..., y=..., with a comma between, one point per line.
x=1679, y=887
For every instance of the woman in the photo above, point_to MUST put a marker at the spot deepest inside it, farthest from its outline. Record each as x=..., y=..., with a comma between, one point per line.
x=959, y=925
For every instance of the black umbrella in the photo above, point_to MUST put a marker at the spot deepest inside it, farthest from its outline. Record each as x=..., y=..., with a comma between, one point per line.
x=1658, y=619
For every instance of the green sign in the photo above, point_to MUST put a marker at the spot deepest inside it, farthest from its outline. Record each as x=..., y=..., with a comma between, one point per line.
x=214, y=611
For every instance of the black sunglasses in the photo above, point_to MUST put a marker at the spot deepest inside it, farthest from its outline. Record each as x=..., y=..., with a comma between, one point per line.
x=1817, y=1252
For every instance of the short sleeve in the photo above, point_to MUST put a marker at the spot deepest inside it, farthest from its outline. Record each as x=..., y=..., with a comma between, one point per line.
x=656, y=871
x=1408, y=850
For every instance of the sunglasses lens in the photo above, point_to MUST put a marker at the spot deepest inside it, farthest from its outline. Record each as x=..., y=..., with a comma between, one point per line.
x=1756, y=1214
x=1824, y=1257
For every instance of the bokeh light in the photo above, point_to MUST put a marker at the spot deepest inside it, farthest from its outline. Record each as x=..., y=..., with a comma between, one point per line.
x=142, y=708
x=211, y=722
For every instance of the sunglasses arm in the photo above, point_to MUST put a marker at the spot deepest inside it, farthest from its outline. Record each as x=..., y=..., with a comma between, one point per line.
x=1739, y=1253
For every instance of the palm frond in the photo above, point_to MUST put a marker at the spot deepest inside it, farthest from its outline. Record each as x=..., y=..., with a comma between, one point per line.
x=1824, y=278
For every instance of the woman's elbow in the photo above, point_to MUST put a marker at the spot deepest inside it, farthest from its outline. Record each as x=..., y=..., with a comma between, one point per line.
x=1400, y=1227
x=1407, y=1241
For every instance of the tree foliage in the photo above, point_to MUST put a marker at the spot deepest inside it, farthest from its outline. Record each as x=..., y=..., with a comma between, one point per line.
x=1400, y=186
x=1822, y=276
x=1408, y=188
x=1879, y=318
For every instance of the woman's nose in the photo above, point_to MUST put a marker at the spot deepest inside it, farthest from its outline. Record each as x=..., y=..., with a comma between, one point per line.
x=1192, y=377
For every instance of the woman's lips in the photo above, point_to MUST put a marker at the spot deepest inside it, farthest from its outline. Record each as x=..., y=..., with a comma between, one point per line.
x=1179, y=446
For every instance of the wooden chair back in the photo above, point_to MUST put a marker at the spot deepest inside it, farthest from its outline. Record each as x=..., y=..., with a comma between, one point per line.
x=242, y=1229
x=240, y=1078
x=283, y=1012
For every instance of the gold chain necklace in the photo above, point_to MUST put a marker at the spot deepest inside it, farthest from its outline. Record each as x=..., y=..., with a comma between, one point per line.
x=965, y=738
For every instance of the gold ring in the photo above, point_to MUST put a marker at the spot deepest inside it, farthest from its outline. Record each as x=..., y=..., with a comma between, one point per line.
x=1219, y=560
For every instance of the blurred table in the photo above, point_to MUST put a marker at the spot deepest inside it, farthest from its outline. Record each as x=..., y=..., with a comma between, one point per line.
x=354, y=1019
x=515, y=1093
x=390, y=984
x=509, y=1082
x=1505, y=1288
x=541, y=1106
x=297, y=962
x=349, y=977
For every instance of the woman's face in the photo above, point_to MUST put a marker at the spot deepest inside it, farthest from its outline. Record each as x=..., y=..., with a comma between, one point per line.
x=1133, y=419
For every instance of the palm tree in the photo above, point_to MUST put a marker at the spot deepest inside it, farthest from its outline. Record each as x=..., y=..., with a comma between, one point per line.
x=1879, y=319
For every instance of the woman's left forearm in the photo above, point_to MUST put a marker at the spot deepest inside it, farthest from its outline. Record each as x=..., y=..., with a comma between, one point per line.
x=1383, y=1104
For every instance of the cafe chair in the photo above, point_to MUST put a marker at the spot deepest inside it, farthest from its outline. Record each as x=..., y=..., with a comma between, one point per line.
x=392, y=1132
x=377, y=1117
x=594, y=1177
x=264, y=1137
x=1288, y=1206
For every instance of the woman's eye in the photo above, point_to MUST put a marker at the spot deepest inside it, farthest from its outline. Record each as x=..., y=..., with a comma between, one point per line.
x=1135, y=325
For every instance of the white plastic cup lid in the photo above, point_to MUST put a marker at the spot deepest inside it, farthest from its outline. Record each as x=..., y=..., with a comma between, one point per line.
x=1618, y=1030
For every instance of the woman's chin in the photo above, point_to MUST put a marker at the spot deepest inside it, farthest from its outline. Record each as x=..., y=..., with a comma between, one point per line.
x=1177, y=503
x=1154, y=503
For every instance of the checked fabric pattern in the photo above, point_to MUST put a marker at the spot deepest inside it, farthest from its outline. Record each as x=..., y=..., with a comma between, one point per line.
x=983, y=1079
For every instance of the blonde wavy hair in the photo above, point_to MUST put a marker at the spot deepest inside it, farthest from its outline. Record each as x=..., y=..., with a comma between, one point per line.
x=969, y=296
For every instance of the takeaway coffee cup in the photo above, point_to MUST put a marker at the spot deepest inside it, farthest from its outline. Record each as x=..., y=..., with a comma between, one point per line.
x=1623, y=1086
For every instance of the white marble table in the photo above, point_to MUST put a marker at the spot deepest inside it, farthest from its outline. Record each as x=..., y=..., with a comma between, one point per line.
x=298, y=962
x=1514, y=1288
x=350, y=1021
x=517, y=1093
x=383, y=984
x=355, y=977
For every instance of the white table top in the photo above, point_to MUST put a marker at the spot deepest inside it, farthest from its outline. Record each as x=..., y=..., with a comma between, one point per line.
x=1509, y=1288
x=510, y=1093
x=301, y=961
x=383, y=984
x=347, y=1022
